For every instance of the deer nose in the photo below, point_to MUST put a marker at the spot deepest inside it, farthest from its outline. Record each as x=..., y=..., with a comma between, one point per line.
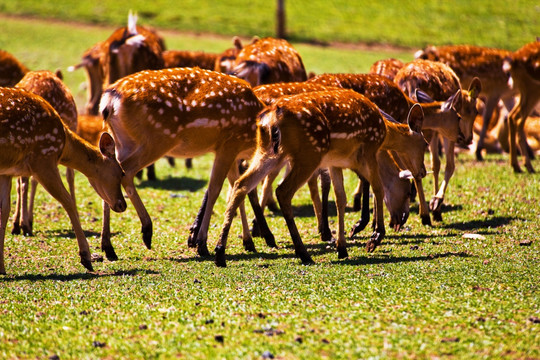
x=120, y=205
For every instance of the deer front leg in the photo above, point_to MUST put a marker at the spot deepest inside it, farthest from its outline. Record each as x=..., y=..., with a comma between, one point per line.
x=436, y=202
x=363, y=189
x=52, y=182
x=5, y=191
x=16, y=230
x=320, y=208
x=527, y=107
x=106, y=245
x=146, y=221
x=513, y=119
x=33, y=189
x=491, y=103
x=247, y=240
x=378, y=211
x=336, y=174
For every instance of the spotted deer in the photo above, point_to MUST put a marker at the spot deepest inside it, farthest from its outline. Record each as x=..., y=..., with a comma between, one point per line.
x=386, y=67
x=267, y=61
x=33, y=141
x=441, y=116
x=332, y=129
x=50, y=87
x=524, y=68
x=438, y=81
x=470, y=62
x=181, y=112
x=396, y=190
x=11, y=69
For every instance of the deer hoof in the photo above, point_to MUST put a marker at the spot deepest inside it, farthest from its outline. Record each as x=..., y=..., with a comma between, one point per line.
x=110, y=253
x=437, y=215
x=426, y=220
x=435, y=203
x=147, y=235
x=342, y=253
x=359, y=226
x=255, y=229
x=87, y=263
x=306, y=259
x=202, y=250
x=16, y=229
x=249, y=245
x=191, y=241
x=220, y=256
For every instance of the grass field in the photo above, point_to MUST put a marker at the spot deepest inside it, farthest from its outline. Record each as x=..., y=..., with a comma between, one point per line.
x=427, y=292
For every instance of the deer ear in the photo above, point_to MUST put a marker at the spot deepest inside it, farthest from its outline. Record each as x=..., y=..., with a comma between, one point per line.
x=106, y=145
x=416, y=118
x=475, y=88
x=457, y=101
x=422, y=97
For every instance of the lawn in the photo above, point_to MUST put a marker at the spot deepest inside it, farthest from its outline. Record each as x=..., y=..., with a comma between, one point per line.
x=465, y=288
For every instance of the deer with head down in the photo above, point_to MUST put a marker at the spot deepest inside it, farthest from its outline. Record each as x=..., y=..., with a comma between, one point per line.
x=51, y=88
x=486, y=64
x=438, y=81
x=182, y=112
x=524, y=68
x=33, y=141
x=440, y=116
x=327, y=129
x=396, y=189
x=267, y=61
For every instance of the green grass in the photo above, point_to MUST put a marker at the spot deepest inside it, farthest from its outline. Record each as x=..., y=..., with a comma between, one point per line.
x=411, y=23
x=425, y=293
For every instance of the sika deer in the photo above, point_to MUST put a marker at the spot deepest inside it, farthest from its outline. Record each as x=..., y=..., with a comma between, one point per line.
x=333, y=129
x=11, y=69
x=51, y=88
x=396, y=189
x=524, y=67
x=269, y=60
x=181, y=112
x=486, y=64
x=439, y=82
x=386, y=67
x=33, y=141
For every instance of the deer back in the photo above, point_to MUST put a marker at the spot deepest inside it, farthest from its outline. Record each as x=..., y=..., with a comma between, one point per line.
x=186, y=58
x=51, y=88
x=30, y=131
x=469, y=61
x=269, y=60
x=377, y=88
x=190, y=110
x=268, y=94
x=386, y=67
x=526, y=60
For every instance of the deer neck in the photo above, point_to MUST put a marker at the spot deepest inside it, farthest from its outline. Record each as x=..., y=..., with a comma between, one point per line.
x=80, y=155
x=397, y=136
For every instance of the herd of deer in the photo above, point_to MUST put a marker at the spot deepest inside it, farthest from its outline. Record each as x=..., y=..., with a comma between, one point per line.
x=255, y=103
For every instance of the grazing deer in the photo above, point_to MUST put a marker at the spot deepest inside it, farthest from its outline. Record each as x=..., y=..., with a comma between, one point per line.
x=486, y=64
x=181, y=112
x=33, y=141
x=333, y=129
x=386, y=67
x=267, y=61
x=11, y=69
x=396, y=189
x=438, y=81
x=440, y=116
x=524, y=68
x=226, y=62
x=51, y=88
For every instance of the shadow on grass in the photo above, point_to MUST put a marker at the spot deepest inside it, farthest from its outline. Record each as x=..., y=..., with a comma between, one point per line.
x=389, y=259
x=78, y=276
x=174, y=184
x=68, y=233
x=492, y=222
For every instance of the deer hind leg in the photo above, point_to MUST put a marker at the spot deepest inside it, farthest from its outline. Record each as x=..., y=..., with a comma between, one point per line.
x=258, y=169
x=526, y=109
x=301, y=171
x=336, y=174
x=33, y=189
x=266, y=199
x=247, y=240
x=52, y=182
x=513, y=119
x=321, y=207
x=5, y=191
x=26, y=225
